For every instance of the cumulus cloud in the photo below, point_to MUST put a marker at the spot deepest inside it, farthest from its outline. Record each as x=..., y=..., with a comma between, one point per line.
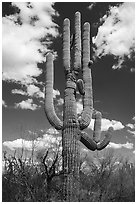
x=27, y=105
x=60, y=101
x=79, y=106
x=22, y=44
x=4, y=104
x=52, y=131
x=18, y=91
x=116, y=36
x=19, y=143
x=127, y=145
x=56, y=93
x=22, y=48
x=106, y=123
x=48, y=139
x=34, y=91
x=131, y=127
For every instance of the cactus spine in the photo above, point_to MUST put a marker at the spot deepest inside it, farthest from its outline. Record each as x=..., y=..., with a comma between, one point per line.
x=73, y=125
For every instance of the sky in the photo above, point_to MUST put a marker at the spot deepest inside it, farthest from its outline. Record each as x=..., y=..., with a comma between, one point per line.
x=29, y=32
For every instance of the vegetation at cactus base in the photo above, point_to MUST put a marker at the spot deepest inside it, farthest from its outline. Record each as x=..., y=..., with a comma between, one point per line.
x=107, y=180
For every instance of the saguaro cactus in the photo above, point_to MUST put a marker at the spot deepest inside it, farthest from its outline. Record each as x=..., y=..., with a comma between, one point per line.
x=73, y=125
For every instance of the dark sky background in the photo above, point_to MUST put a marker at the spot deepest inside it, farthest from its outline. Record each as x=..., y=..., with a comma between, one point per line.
x=113, y=90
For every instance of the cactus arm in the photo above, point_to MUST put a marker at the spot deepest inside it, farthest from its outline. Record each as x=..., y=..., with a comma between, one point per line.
x=97, y=127
x=49, y=106
x=87, y=141
x=101, y=145
x=80, y=87
x=77, y=45
x=86, y=115
x=66, y=45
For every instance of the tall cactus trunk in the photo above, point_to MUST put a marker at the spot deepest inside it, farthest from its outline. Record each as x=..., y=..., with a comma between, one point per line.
x=71, y=156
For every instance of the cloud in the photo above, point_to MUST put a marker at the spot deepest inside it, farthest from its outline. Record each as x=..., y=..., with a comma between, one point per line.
x=27, y=105
x=118, y=146
x=56, y=93
x=22, y=49
x=116, y=36
x=49, y=139
x=60, y=101
x=131, y=127
x=4, y=104
x=79, y=106
x=18, y=91
x=19, y=143
x=52, y=131
x=131, y=132
x=106, y=123
x=34, y=91
x=26, y=36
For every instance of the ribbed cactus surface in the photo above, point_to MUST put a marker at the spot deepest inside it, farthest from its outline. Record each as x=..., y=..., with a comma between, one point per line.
x=73, y=124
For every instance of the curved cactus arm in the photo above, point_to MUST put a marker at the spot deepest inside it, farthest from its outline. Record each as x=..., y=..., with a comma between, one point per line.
x=77, y=45
x=86, y=115
x=49, y=106
x=101, y=145
x=87, y=141
x=97, y=126
x=66, y=45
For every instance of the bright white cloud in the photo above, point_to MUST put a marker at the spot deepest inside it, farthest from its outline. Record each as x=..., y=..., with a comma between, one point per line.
x=33, y=90
x=60, y=101
x=56, y=93
x=47, y=140
x=18, y=91
x=79, y=106
x=22, y=48
x=106, y=123
x=131, y=127
x=52, y=131
x=27, y=105
x=4, y=104
x=117, y=34
x=118, y=146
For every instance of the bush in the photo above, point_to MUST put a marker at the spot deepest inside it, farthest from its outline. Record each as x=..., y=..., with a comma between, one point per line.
x=109, y=181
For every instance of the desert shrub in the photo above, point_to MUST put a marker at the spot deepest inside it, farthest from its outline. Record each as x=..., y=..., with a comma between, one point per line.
x=109, y=181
